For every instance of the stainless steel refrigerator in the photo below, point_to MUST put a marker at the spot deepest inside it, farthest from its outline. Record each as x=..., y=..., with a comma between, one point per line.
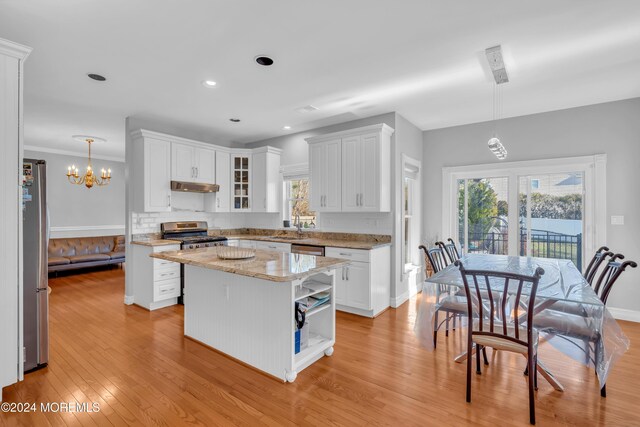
x=35, y=264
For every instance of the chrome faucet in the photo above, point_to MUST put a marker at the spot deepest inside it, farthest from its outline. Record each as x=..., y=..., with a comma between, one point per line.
x=298, y=225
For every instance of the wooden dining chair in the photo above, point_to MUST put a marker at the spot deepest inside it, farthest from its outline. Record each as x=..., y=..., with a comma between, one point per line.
x=450, y=249
x=571, y=326
x=602, y=256
x=598, y=258
x=495, y=324
x=452, y=306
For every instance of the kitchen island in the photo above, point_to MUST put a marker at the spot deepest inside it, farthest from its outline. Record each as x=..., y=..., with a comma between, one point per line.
x=245, y=308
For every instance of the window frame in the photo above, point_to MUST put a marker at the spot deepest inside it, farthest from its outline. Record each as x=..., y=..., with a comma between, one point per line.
x=593, y=167
x=291, y=173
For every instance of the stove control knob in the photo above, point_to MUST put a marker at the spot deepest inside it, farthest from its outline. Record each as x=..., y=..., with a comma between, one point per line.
x=197, y=246
x=190, y=247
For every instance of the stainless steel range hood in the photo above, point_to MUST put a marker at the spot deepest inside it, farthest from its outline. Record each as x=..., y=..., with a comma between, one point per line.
x=194, y=187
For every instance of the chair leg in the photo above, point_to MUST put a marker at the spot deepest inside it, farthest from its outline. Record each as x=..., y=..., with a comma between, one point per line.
x=603, y=391
x=478, y=370
x=535, y=376
x=435, y=330
x=484, y=354
x=532, y=408
x=448, y=314
x=455, y=316
x=469, y=362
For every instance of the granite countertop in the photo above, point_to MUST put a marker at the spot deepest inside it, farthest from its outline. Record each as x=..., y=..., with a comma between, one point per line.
x=155, y=242
x=268, y=265
x=314, y=241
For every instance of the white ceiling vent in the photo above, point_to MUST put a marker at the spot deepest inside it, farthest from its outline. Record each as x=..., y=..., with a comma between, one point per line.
x=307, y=109
x=496, y=63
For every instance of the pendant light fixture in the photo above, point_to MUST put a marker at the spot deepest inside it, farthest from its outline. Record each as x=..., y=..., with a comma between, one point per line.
x=496, y=63
x=494, y=143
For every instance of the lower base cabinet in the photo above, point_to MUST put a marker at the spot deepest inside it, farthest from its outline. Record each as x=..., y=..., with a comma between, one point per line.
x=364, y=286
x=156, y=282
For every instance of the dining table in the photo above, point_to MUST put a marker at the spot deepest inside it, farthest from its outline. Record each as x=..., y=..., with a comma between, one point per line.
x=585, y=330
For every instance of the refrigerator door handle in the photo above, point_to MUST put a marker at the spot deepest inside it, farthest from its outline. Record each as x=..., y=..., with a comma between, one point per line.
x=43, y=325
x=43, y=227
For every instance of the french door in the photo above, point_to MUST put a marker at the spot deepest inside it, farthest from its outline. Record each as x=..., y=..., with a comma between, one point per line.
x=549, y=209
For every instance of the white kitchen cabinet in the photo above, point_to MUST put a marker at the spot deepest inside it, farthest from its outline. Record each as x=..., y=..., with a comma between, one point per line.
x=192, y=163
x=242, y=184
x=363, y=287
x=366, y=168
x=156, y=282
x=325, y=175
x=273, y=246
x=265, y=175
x=152, y=173
x=221, y=200
x=350, y=171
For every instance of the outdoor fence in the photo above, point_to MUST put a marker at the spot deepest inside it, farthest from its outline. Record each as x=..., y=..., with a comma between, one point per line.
x=543, y=243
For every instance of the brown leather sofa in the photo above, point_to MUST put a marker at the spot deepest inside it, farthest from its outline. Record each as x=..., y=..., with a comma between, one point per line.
x=81, y=252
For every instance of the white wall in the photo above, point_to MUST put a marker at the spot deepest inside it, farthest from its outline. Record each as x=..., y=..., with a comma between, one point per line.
x=408, y=142
x=75, y=210
x=611, y=128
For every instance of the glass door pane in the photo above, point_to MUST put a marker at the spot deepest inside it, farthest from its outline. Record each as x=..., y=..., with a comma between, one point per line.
x=551, y=216
x=483, y=210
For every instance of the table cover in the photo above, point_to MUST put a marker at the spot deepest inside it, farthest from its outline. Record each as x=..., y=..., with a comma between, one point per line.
x=576, y=322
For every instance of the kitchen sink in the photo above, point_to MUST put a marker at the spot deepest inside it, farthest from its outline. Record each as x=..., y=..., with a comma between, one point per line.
x=288, y=237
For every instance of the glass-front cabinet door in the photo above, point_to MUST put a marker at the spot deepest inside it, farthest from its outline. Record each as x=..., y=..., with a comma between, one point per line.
x=241, y=182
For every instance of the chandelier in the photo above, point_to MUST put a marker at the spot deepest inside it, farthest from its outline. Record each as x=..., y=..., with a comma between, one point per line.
x=89, y=179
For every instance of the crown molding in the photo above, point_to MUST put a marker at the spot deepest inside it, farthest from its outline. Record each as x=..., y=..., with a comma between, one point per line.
x=14, y=50
x=72, y=153
x=266, y=149
x=144, y=133
x=381, y=127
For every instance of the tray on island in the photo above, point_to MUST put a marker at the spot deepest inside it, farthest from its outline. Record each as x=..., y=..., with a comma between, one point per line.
x=232, y=252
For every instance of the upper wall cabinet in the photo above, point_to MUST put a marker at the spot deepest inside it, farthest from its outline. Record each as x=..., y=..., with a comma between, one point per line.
x=266, y=179
x=248, y=180
x=325, y=191
x=350, y=171
x=151, y=173
x=192, y=163
x=220, y=201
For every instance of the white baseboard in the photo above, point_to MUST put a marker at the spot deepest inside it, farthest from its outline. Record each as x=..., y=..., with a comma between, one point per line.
x=625, y=314
x=86, y=231
x=396, y=302
x=128, y=299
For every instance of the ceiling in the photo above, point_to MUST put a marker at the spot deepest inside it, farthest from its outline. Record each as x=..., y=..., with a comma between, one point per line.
x=356, y=58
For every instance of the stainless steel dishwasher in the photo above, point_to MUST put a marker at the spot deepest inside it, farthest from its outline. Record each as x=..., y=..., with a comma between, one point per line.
x=307, y=249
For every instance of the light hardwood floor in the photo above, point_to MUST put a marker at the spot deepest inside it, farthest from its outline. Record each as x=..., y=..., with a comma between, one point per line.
x=142, y=371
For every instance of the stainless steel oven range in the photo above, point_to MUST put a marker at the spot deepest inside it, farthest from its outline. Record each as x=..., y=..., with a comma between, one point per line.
x=192, y=235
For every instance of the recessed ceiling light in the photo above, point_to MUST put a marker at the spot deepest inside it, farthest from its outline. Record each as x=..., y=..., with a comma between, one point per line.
x=208, y=83
x=264, y=60
x=286, y=127
x=234, y=120
x=96, y=77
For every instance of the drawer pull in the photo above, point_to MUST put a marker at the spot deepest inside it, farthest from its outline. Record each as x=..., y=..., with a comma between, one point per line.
x=345, y=254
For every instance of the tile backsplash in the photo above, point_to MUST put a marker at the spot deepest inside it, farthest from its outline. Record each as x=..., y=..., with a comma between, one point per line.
x=369, y=223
